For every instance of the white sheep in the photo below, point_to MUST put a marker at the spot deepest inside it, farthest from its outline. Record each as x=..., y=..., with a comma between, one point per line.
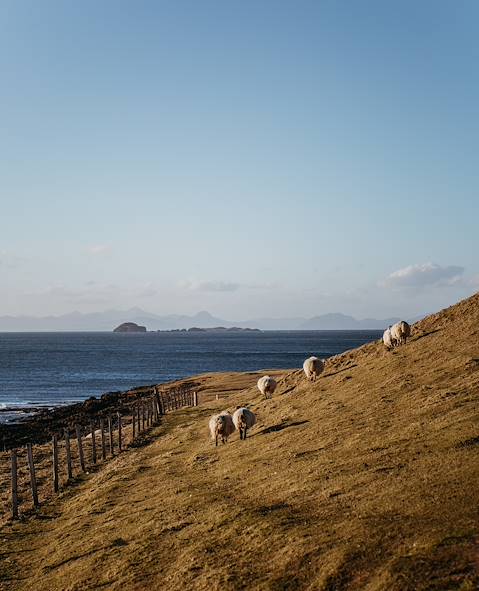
x=388, y=340
x=400, y=332
x=221, y=425
x=267, y=386
x=312, y=367
x=243, y=419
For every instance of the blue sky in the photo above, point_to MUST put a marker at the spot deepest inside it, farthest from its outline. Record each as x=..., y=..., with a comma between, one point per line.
x=252, y=159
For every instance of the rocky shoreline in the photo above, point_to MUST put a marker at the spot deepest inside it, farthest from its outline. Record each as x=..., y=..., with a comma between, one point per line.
x=40, y=423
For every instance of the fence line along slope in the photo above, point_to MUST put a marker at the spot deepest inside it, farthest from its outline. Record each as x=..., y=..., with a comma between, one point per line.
x=366, y=479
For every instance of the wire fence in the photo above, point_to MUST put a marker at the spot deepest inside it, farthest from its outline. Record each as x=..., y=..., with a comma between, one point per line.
x=32, y=474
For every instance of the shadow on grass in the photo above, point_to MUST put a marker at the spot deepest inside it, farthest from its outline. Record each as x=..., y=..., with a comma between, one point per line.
x=280, y=427
x=426, y=334
x=328, y=375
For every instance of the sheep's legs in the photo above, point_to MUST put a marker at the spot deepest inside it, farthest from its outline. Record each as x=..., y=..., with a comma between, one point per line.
x=216, y=440
x=244, y=433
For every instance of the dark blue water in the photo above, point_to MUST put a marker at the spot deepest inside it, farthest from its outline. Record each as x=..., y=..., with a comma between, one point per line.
x=55, y=368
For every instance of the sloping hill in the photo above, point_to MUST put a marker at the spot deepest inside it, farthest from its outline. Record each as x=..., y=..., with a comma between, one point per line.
x=367, y=479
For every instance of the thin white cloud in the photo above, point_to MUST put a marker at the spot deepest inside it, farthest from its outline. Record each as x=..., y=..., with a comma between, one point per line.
x=424, y=275
x=101, y=294
x=148, y=291
x=474, y=281
x=262, y=286
x=9, y=260
x=96, y=249
x=210, y=286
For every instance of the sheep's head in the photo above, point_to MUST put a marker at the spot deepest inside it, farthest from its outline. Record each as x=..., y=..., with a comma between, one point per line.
x=220, y=423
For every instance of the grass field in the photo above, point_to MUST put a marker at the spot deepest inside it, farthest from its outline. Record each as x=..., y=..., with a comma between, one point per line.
x=366, y=479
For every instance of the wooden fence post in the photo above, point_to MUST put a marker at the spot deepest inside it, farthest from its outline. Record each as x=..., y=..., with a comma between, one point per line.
x=156, y=402
x=33, y=480
x=119, y=431
x=110, y=431
x=103, y=440
x=195, y=398
x=142, y=416
x=133, y=415
x=69, y=455
x=93, y=442
x=55, y=463
x=13, y=456
x=138, y=417
x=80, y=448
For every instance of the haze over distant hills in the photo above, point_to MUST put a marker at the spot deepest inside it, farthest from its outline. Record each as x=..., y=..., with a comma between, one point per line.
x=107, y=320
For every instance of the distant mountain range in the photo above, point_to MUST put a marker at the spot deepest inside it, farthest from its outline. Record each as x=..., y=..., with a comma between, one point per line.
x=106, y=321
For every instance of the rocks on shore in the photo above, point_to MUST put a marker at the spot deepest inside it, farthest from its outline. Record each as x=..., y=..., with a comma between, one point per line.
x=40, y=425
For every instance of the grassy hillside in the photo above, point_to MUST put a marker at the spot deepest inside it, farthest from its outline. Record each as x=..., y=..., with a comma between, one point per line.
x=367, y=479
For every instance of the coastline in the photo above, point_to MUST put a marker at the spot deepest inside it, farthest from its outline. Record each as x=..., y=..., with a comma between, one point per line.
x=38, y=424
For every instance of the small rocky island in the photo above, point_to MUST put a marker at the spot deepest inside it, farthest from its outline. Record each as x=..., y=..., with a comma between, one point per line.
x=130, y=327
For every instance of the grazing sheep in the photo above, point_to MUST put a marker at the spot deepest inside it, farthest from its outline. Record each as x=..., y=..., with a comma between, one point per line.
x=313, y=366
x=221, y=426
x=267, y=386
x=388, y=340
x=400, y=332
x=243, y=419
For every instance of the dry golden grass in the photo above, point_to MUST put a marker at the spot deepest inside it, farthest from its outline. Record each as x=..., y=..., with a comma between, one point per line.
x=367, y=479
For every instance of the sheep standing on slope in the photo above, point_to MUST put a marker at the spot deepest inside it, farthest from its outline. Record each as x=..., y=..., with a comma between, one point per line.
x=388, y=339
x=400, y=332
x=243, y=419
x=267, y=386
x=221, y=426
x=312, y=367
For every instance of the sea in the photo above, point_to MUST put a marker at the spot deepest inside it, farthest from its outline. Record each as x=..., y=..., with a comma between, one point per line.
x=50, y=369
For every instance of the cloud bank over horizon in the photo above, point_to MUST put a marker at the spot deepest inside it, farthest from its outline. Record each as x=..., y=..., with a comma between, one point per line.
x=424, y=275
x=408, y=291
